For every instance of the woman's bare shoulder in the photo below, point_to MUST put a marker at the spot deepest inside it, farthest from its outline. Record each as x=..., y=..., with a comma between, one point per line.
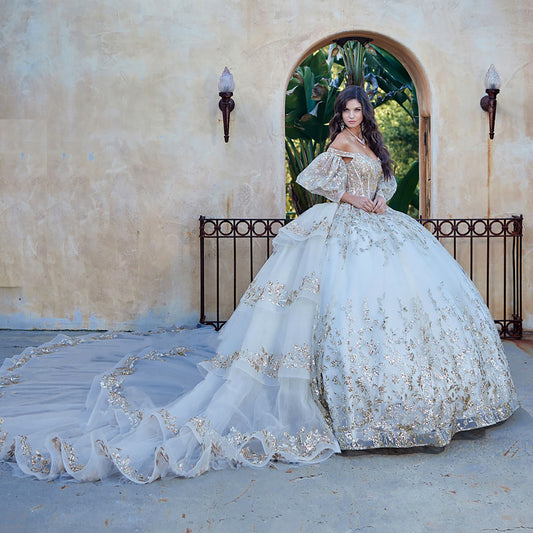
x=341, y=143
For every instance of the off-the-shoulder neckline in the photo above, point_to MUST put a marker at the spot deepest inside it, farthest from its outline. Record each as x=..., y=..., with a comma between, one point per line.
x=353, y=154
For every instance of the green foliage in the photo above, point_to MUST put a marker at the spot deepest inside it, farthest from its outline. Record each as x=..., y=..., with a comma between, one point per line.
x=406, y=191
x=387, y=80
x=401, y=137
x=299, y=155
x=309, y=107
x=353, y=55
x=310, y=99
x=400, y=134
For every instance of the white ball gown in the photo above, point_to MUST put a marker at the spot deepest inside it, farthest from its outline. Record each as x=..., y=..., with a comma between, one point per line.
x=359, y=332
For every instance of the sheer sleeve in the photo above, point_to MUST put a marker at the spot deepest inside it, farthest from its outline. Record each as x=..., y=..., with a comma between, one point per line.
x=386, y=188
x=326, y=175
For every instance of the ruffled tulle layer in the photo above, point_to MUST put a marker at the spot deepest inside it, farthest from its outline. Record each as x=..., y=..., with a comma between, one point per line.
x=359, y=332
x=149, y=413
x=396, y=342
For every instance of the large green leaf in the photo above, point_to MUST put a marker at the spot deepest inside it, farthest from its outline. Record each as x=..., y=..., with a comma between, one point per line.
x=295, y=101
x=308, y=83
x=391, y=65
x=406, y=194
x=318, y=64
x=313, y=128
x=299, y=154
x=353, y=53
x=393, y=81
x=329, y=106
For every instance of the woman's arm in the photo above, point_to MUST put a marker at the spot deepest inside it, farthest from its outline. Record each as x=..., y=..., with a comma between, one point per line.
x=326, y=175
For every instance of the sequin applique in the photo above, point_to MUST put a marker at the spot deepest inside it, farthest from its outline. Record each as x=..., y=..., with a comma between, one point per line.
x=112, y=382
x=277, y=293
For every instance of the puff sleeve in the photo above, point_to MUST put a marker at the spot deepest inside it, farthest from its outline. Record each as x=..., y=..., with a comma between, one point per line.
x=386, y=188
x=326, y=175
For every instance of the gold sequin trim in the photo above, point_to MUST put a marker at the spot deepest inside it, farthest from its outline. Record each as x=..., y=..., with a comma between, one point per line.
x=169, y=421
x=325, y=175
x=72, y=459
x=298, y=228
x=104, y=336
x=22, y=359
x=304, y=444
x=38, y=463
x=267, y=363
x=9, y=380
x=113, y=381
x=158, y=331
x=123, y=463
x=277, y=293
x=3, y=434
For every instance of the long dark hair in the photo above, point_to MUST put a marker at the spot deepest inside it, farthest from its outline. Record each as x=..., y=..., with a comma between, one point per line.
x=369, y=126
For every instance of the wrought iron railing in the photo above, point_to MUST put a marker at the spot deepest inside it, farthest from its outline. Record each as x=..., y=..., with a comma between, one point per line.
x=489, y=249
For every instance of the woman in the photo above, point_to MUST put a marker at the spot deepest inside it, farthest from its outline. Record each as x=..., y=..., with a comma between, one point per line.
x=359, y=332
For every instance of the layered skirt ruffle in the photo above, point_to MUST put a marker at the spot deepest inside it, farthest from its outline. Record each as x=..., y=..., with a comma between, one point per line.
x=359, y=332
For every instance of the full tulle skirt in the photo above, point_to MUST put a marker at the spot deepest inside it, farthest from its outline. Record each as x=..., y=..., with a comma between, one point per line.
x=359, y=332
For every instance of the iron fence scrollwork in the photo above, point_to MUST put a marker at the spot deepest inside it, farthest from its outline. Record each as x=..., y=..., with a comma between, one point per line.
x=488, y=249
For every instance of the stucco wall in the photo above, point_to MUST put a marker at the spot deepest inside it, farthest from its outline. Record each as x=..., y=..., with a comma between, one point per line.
x=111, y=141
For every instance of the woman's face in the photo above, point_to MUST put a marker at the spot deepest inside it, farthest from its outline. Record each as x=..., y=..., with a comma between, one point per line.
x=353, y=113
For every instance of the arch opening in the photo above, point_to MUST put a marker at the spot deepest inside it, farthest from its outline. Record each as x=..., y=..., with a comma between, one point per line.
x=418, y=76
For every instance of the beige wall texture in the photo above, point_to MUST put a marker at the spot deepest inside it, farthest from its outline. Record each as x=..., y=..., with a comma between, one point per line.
x=111, y=141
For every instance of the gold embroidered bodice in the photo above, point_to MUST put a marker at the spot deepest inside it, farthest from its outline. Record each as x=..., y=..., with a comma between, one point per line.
x=330, y=176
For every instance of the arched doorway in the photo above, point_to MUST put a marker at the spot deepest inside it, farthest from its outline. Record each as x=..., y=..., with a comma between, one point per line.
x=460, y=236
x=417, y=74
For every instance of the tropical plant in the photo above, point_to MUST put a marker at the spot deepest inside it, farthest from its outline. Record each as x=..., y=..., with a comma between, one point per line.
x=353, y=57
x=309, y=105
x=388, y=80
x=406, y=195
x=299, y=155
x=401, y=137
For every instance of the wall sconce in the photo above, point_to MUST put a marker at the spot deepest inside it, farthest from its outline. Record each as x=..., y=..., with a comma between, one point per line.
x=226, y=86
x=488, y=102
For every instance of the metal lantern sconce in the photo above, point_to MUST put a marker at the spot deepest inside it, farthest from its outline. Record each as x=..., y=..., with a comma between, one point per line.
x=488, y=102
x=226, y=86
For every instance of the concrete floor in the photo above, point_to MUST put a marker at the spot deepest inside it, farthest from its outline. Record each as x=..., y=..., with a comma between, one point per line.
x=473, y=486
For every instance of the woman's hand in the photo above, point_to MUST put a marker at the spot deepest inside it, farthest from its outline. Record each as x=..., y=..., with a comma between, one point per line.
x=380, y=206
x=362, y=202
